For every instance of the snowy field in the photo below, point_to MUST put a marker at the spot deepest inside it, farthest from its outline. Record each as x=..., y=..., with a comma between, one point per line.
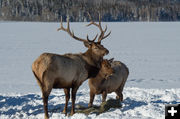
x=150, y=50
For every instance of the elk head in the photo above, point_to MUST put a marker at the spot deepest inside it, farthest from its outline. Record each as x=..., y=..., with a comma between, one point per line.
x=106, y=68
x=95, y=48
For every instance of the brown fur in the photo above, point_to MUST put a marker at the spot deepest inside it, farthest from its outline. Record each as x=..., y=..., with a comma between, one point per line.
x=67, y=71
x=114, y=83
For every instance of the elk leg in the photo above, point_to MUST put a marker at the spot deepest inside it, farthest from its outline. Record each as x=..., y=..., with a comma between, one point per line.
x=119, y=95
x=67, y=93
x=121, y=89
x=104, y=95
x=91, y=99
x=45, y=101
x=73, y=98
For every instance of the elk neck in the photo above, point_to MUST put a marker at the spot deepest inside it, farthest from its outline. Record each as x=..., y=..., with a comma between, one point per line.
x=99, y=79
x=92, y=59
x=93, y=63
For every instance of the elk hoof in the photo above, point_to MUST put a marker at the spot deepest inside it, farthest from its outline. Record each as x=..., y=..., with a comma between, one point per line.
x=117, y=97
x=121, y=99
x=89, y=105
x=72, y=113
x=64, y=112
x=46, y=117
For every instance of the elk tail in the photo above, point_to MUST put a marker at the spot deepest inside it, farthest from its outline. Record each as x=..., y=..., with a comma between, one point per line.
x=38, y=80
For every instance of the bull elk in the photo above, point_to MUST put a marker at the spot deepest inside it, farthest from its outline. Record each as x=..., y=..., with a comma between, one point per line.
x=69, y=71
x=111, y=78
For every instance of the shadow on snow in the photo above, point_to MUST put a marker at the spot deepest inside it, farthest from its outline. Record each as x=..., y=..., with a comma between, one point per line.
x=30, y=105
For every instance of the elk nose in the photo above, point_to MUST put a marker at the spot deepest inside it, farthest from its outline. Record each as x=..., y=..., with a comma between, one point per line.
x=107, y=52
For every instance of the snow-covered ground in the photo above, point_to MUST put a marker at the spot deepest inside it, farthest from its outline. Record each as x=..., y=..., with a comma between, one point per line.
x=149, y=49
x=139, y=103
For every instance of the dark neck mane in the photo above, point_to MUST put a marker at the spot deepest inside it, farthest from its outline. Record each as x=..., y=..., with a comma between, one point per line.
x=93, y=63
x=99, y=78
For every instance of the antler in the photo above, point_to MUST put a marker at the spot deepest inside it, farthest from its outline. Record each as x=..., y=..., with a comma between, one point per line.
x=102, y=35
x=72, y=33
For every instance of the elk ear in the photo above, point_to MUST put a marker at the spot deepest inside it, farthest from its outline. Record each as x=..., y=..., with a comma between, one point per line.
x=111, y=60
x=87, y=44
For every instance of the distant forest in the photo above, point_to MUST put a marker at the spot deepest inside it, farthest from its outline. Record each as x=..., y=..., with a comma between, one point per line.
x=110, y=10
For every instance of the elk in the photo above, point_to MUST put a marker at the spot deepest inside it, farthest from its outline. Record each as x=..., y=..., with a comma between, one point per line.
x=111, y=78
x=69, y=71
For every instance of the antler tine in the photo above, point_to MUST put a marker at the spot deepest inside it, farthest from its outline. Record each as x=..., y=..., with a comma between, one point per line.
x=91, y=22
x=88, y=38
x=107, y=35
x=105, y=29
x=102, y=32
x=93, y=39
x=100, y=23
x=89, y=16
x=69, y=31
x=68, y=22
x=61, y=27
x=101, y=36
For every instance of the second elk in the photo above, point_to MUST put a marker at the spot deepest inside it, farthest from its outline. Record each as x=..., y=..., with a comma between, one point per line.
x=111, y=78
x=69, y=71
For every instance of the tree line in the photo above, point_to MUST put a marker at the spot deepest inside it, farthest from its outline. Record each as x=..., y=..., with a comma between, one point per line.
x=110, y=10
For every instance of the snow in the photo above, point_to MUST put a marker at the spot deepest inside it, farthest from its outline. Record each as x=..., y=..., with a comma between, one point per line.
x=149, y=49
x=138, y=103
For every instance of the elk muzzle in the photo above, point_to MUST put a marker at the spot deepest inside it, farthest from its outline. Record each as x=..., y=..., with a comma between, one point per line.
x=106, y=52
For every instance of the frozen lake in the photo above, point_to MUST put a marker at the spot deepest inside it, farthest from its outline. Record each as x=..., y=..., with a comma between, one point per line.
x=150, y=49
